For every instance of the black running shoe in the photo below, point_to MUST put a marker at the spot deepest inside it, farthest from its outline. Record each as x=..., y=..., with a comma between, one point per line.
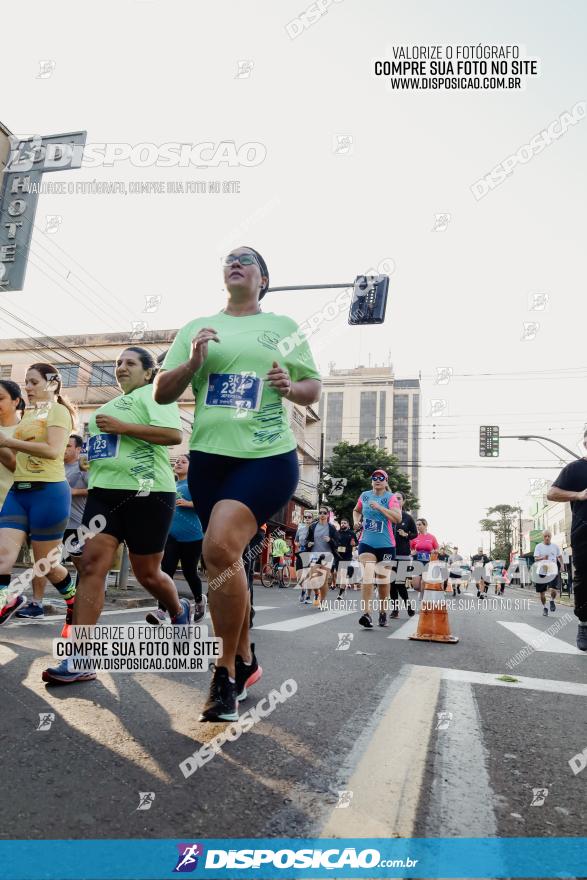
x=366, y=621
x=246, y=675
x=382, y=618
x=221, y=704
x=411, y=611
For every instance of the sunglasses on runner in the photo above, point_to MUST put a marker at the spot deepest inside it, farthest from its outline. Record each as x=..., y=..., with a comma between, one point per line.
x=323, y=513
x=244, y=260
x=309, y=516
x=378, y=478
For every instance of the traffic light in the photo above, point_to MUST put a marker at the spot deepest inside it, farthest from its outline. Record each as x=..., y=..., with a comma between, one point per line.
x=369, y=299
x=489, y=441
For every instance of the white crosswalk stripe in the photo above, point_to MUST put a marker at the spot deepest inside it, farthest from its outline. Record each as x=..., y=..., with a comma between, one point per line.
x=303, y=621
x=539, y=640
x=406, y=629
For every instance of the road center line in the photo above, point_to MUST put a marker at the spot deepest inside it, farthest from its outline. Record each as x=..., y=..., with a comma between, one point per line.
x=460, y=757
x=386, y=791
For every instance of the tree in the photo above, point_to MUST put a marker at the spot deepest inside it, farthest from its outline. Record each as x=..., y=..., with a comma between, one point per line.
x=501, y=528
x=356, y=463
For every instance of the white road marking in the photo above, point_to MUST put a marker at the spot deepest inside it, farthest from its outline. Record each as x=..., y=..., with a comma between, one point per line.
x=312, y=618
x=460, y=757
x=539, y=640
x=386, y=792
x=6, y=655
x=548, y=685
x=406, y=629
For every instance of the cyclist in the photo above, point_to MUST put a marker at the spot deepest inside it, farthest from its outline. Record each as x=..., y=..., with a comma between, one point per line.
x=39, y=500
x=404, y=531
x=379, y=509
x=279, y=550
x=243, y=459
x=132, y=487
x=184, y=545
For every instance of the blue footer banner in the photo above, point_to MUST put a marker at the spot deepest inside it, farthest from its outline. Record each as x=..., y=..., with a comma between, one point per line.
x=230, y=858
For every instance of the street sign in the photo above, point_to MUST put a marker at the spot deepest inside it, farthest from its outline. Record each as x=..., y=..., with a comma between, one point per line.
x=489, y=441
x=21, y=171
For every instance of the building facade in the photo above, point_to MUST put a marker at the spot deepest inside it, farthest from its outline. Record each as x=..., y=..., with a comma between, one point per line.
x=554, y=516
x=368, y=404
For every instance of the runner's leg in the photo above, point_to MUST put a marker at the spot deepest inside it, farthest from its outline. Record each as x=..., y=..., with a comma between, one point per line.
x=231, y=527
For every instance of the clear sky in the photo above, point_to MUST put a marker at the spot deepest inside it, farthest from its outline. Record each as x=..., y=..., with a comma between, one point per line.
x=157, y=72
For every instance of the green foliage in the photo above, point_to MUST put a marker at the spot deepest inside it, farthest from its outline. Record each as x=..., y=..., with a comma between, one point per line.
x=357, y=462
x=501, y=528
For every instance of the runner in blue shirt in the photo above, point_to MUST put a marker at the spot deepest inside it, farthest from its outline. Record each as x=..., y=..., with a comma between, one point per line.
x=378, y=509
x=184, y=544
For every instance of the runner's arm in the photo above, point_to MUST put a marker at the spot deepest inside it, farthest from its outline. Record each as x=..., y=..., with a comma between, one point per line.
x=8, y=459
x=556, y=494
x=169, y=385
x=52, y=449
x=305, y=392
x=153, y=434
x=392, y=513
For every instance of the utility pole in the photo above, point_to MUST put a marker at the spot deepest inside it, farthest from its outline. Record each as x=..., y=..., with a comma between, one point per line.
x=321, y=466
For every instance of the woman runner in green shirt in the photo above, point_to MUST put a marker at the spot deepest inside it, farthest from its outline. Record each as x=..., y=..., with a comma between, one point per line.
x=132, y=488
x=241, y=363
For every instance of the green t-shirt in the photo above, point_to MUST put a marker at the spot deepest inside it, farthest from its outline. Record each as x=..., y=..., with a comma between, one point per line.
x=138, y=465
x=237, y=419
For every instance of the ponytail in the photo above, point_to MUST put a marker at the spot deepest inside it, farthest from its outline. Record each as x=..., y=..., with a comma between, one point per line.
x=66, y=402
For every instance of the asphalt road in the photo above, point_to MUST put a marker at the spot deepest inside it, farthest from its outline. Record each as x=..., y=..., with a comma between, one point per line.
x=364, y=720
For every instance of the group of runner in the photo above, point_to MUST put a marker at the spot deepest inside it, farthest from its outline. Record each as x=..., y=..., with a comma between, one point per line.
x=242, y=467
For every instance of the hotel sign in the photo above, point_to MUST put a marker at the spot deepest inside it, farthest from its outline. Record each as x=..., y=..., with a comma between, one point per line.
x=27, y=161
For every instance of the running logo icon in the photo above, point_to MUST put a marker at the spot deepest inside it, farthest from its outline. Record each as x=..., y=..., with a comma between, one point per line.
x=444, y=719
x=344, y=800
x=539, y=795
x=46, y=719
x=146, y=799
x=344, y=641
x=441, y=222
x=187, y=861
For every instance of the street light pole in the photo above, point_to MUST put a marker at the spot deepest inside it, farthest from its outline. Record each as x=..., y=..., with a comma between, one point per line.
x=540, y=437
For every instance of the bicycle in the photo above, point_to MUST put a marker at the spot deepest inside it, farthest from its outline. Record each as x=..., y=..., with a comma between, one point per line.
x=274, y=573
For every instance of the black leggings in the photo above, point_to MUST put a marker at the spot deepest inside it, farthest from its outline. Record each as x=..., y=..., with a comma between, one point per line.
x=397, y=590
x=186, y=553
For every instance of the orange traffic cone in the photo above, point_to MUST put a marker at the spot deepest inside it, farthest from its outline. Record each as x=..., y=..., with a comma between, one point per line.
x=433, y=625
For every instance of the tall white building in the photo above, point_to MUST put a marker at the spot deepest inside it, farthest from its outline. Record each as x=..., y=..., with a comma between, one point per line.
x=370, y=404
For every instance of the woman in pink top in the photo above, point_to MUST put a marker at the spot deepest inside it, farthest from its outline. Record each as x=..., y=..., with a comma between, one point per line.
x=422, y=546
